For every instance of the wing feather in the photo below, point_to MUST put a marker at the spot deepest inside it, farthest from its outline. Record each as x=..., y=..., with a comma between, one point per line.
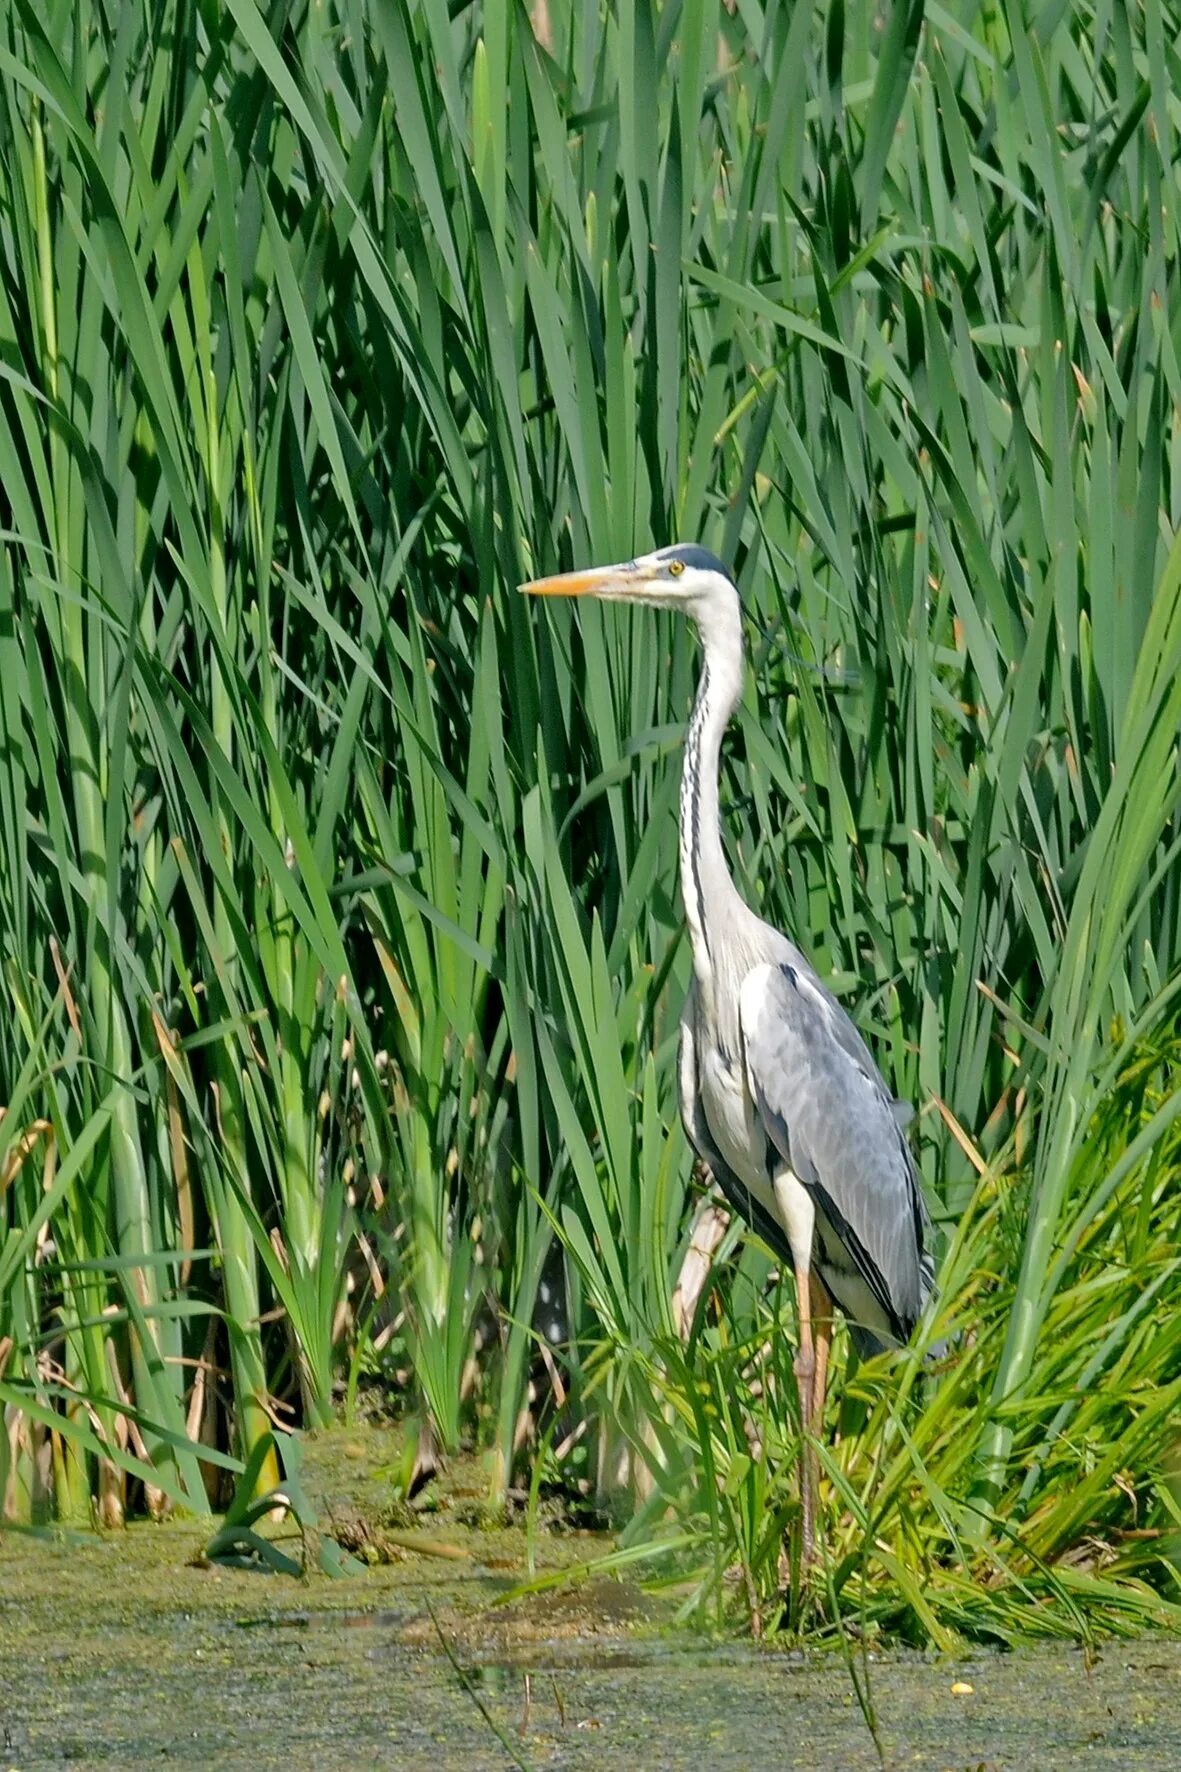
x=828, y=1113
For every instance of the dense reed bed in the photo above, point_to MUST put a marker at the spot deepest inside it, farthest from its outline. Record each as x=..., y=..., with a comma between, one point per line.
x=340, y=946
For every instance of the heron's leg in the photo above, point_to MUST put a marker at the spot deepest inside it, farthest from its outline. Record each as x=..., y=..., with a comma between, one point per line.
x=798, y=1218
x=805, y=1371
x=822, y=1337
x=709, y=1227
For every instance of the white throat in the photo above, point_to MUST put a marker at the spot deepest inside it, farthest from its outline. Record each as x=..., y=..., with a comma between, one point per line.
x=710, y=896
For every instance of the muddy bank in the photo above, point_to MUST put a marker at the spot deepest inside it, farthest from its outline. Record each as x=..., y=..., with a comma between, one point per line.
x=124, y=1651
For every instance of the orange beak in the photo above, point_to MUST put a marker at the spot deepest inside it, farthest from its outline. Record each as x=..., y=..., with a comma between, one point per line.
x=572, y=584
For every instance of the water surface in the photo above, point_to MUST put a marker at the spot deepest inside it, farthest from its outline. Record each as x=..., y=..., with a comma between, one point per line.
x=117, y=1651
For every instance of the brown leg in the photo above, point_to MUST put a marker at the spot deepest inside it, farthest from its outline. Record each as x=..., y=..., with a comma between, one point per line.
x=805, y=1371
x=822, y=1325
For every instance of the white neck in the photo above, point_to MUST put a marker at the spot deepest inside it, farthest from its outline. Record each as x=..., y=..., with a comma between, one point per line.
x=710, y=896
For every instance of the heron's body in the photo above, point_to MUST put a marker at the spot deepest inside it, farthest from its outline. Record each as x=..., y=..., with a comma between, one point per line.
x=778, y=1091
x=799, y=1218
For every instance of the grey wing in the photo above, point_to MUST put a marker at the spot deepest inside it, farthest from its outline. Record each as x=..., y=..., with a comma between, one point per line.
x=736, y=1193
x=828, y=1113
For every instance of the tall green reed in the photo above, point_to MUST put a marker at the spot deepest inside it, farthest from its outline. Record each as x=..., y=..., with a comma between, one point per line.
x=322, y=329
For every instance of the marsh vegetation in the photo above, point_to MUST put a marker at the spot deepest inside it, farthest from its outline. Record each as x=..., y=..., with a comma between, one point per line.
x=340, y=951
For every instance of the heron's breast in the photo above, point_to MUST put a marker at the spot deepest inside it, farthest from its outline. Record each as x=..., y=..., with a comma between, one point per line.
x=733, y=1121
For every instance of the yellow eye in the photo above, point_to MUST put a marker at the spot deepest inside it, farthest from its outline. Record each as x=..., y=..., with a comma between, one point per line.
x=675, y=568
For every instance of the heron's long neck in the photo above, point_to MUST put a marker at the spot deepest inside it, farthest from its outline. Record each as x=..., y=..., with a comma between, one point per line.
x=711, y=897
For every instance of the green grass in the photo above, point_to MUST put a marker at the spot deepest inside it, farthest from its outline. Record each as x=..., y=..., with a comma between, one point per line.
x=339, y=935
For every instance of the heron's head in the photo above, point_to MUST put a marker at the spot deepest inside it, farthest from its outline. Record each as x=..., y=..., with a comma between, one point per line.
x=682, y=577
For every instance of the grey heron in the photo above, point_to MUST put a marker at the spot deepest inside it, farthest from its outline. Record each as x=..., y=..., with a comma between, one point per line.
x=778, y=1091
